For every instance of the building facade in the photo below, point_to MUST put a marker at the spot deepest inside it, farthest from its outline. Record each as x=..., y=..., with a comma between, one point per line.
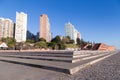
x=1, y=27
x=21, y=27
x=45, y=28
x=6, y=28
x=71, y=32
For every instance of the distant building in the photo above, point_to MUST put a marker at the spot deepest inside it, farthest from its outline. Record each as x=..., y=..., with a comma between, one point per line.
x=14, y=31
x=71, y=32
x=37, y=36
x=6, y=28
x=30, y=35
x=21, y=27
x=1, y=27
x=45, y=28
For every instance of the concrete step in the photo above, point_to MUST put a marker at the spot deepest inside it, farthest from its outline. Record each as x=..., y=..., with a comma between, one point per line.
x=89, y=52
x=69, y=68
x=64, y=52
x=48, y=54
x=54, y=53
x=88, y=57
x=54, y=58
x=58, y=59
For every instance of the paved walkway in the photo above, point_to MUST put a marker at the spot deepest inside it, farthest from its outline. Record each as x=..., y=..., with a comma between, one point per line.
x=108, y=69
x=10, y=71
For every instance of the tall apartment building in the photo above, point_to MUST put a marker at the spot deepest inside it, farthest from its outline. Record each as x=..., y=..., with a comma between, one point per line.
x=71, y=32
x=1, y=27
x=21, y=27
x=45, y=28
x=6, y=28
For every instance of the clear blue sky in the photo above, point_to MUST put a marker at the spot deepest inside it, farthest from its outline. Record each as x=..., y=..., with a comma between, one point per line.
x=96, y=20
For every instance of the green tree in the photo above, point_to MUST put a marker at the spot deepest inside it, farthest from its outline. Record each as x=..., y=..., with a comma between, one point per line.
x=78, y=41
x=61, y=46
x=42, y=39
x=9, y=41
x=72, y=41
x=68, y=37
x=41, y=44
x=65, y=40
x=53, y=45
x=3, y=39
x=56, y=39
x=30, y=41
x=68, y=40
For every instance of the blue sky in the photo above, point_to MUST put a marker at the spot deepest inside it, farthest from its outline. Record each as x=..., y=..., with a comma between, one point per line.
x=96, y=20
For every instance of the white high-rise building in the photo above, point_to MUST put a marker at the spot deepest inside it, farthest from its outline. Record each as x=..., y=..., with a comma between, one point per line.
x=21, y=27
x=71, y=32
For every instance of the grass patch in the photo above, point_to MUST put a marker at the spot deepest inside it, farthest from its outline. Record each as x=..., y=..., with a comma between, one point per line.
x=71, y=46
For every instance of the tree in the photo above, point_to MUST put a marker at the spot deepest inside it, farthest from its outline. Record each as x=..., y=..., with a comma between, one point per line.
x=61, y=46
x=65, y=40
x=53, y=45
x=68, y=37
x=9, y=41
x=41, y=44
x=42, y=39
x=3, y=39
x=78, y=41
x=72, y=41
x=56, y=39
x=30, y=41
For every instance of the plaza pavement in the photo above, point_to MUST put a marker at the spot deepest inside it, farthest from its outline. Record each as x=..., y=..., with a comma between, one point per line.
x=13, y=71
